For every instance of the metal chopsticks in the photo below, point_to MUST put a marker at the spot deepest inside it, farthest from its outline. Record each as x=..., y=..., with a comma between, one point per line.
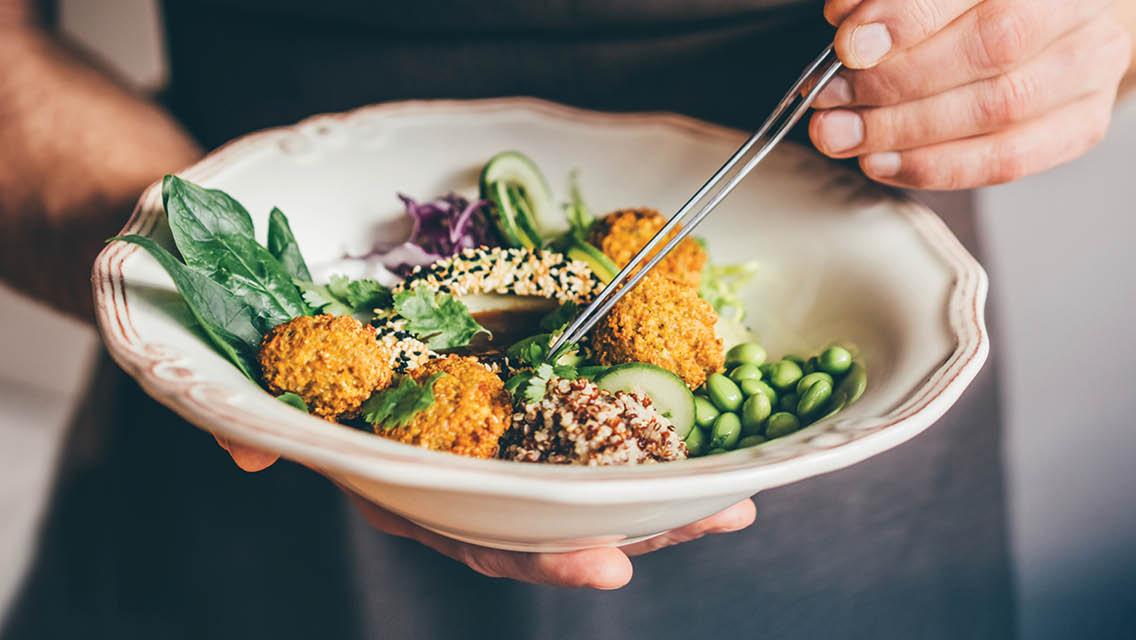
x=790, y=111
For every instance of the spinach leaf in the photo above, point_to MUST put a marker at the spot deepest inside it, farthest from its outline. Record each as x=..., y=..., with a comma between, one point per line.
x=442, y=322
x=283, y=246
x=342, y=296
x=397, y=406
x=213, y=232
x=228, y=320
x=211, y=211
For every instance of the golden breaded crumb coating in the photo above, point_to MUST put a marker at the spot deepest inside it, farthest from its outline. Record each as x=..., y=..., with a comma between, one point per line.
x=621, y=234
x=470, y=412
x=662, y=322
x=333, y=363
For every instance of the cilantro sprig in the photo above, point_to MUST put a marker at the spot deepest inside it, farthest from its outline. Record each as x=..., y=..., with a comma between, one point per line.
x=343, y=296
x=397, y=406
x=438, y=319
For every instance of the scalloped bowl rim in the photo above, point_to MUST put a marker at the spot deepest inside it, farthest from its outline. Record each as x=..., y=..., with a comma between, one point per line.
x=819, y=448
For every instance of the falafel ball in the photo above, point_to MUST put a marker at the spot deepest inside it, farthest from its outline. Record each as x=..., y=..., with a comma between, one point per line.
x=333, y=362
x=621, y=234
x=662, y=322
x=470, y=412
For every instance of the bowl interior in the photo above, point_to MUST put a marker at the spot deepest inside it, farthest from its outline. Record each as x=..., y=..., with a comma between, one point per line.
x=839, y=259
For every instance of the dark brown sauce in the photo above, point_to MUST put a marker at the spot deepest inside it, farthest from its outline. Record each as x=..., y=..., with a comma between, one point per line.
x=508, y=326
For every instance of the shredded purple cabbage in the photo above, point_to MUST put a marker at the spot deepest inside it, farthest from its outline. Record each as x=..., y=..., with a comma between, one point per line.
x=442, y=227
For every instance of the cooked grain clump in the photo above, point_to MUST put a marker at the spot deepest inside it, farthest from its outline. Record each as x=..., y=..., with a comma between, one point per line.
x=665, y=323
x=470, y=412
x=621, y=234
x=578, y=423
x=333, y=363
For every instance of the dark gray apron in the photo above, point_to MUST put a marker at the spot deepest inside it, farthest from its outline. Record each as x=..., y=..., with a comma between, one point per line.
x=156, y=534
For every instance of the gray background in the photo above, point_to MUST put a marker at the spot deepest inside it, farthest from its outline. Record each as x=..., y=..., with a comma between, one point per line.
x=1064, y=306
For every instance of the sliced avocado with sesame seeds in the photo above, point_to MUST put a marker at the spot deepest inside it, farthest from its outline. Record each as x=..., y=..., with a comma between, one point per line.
x=587, y=253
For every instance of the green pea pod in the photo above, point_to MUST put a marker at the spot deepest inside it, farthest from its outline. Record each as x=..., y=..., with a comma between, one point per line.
x=854, y=382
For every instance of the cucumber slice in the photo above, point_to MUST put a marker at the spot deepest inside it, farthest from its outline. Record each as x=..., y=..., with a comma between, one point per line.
x=515, y=168
x=600, y=264
x=523, y=215
x=668, y=393
x=505, y=216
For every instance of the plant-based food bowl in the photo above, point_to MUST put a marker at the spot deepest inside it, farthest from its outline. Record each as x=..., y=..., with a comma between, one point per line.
x=838, y=258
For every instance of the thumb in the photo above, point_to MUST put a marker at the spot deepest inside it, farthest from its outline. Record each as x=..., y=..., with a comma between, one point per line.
x=246, y=457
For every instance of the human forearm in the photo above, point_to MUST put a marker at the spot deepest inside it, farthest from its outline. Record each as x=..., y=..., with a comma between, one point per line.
x=75, y=151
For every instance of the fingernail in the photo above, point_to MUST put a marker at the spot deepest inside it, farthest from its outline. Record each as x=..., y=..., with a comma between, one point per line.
x=882, y=165
x=870, y=43
x=838, y=93
x=840, y=131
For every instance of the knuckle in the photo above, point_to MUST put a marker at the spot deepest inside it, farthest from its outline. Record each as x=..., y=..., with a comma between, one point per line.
x=918, y=173
x=1007, y=165
x=877, y=87
x=923, y=17
x=1003, y=36
x=1011, y=99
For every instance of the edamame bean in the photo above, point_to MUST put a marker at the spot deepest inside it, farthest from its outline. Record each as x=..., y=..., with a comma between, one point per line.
x=695, y=442
x=835, y=360
x=785, y=374
x=722, y=391
x=750, y=387
x=767, y=369
x=813, y=400
x=750, y=441
x=781, y=424
x=745, y=353
x=812, y=365
x=854, y=382
x=715, y=452
x=835, y=405
x=754, y=412
x=792, y=357
x=745, y=372
x=788, y=402
x=704, y=412
x=726, y=432
x=808, y=380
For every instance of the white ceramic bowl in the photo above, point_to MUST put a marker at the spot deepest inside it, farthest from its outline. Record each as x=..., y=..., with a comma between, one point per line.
x=840, y=258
